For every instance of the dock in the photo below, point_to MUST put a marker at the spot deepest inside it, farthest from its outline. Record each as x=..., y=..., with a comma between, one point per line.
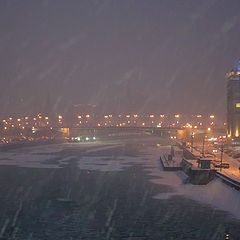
x=199, y=171
x=172, y=162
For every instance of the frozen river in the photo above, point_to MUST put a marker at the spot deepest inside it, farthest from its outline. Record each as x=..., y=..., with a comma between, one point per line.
x=111, y=189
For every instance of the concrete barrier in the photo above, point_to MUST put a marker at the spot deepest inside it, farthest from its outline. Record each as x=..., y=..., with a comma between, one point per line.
x=166, y=166
x=197, y=176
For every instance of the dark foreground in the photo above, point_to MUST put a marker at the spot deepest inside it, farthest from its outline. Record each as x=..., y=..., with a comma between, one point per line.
x=69, y=203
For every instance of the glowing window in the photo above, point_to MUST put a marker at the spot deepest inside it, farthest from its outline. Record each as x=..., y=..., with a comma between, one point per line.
x=237, y=105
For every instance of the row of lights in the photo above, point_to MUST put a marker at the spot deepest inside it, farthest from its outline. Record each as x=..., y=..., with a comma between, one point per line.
x=105, y=116
x=87, y=116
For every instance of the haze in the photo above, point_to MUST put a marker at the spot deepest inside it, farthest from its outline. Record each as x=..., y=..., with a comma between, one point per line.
x=122, y=56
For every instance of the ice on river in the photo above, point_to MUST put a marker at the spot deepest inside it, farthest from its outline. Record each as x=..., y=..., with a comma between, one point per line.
x=90, y=157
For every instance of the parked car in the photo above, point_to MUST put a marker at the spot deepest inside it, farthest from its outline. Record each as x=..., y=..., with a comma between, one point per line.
x=82, y=139
x=222, y=165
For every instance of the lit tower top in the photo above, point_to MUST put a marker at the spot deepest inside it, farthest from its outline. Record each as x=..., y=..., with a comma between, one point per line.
x=234, y=74
x=233, y=102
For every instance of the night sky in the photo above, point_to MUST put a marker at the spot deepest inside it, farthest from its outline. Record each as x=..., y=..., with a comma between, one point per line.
x=152, y=56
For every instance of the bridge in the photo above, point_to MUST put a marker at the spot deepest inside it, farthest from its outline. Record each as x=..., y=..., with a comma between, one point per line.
x=181, y=133
x=75, y=131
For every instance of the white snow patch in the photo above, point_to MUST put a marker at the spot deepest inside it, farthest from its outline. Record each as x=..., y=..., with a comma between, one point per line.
x=104, y=164
x=216, y=193
x=164, y=196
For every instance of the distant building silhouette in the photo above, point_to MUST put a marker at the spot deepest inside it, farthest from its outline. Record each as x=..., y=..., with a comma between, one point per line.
x=233, y=102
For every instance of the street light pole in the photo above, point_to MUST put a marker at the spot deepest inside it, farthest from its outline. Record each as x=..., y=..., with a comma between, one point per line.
x=192, y=136
x=203, y=146
x=221, y=156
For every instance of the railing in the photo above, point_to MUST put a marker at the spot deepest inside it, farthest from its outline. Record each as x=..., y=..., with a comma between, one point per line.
x=228, y=180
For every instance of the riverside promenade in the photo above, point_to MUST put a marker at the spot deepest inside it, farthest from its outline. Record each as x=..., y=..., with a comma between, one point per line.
x=231, y=175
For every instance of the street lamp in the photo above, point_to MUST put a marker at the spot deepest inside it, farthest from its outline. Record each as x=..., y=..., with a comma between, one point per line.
x=221, y=157
x=192, y=136
x=203, y=145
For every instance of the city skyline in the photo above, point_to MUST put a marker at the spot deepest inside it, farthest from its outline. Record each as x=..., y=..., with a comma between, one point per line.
x=119, y=119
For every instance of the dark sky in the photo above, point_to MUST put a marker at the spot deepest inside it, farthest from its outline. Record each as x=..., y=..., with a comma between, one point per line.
x=120, y=55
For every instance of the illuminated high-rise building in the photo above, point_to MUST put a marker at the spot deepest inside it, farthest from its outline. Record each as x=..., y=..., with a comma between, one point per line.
x=233, y=102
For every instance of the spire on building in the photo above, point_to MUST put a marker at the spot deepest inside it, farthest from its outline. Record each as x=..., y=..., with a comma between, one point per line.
x=234, y=74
